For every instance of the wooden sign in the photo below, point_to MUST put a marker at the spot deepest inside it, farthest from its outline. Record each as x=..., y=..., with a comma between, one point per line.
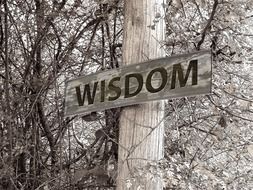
x=165, y=78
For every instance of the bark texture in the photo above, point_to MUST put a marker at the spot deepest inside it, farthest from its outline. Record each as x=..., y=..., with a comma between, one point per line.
x=141, y=126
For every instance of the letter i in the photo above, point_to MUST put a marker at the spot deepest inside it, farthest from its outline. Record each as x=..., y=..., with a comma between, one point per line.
x=102, y=91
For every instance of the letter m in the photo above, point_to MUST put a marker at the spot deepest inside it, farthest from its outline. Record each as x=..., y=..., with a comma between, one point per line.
x=177, y=70
x=86, y=92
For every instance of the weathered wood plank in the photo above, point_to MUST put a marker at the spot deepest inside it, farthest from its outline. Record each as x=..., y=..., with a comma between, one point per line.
x=170, y=77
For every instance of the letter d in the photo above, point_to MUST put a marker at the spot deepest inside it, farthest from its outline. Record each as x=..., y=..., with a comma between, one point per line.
x=127, y=81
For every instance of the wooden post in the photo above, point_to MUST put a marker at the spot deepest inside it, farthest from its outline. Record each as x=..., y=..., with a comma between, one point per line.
x=141, y=126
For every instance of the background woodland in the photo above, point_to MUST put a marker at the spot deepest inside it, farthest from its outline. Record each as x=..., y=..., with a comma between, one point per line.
x=43, y=43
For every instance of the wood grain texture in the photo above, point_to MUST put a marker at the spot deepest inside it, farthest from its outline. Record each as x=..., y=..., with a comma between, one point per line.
x=141, y=127
x=143, y=70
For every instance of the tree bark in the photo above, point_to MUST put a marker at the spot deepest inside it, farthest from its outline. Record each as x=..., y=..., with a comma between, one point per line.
x=141, y=126
x=8, y=118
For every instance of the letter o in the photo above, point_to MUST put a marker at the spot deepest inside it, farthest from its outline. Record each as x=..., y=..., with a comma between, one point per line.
x=164, y=77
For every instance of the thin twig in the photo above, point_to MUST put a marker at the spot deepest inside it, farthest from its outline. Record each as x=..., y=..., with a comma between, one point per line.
x=208, y=25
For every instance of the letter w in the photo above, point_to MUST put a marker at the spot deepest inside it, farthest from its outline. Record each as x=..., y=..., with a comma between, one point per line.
x=177, y=69
x=81, y=99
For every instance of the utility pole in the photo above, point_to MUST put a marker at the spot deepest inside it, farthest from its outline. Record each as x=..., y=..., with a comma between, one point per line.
x=141, y=126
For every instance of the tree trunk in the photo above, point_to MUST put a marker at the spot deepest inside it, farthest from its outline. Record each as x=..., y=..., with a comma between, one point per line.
x=8, y=118
x=141, y=126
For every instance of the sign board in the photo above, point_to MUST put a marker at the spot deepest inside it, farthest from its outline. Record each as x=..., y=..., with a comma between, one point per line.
x=164, y=78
